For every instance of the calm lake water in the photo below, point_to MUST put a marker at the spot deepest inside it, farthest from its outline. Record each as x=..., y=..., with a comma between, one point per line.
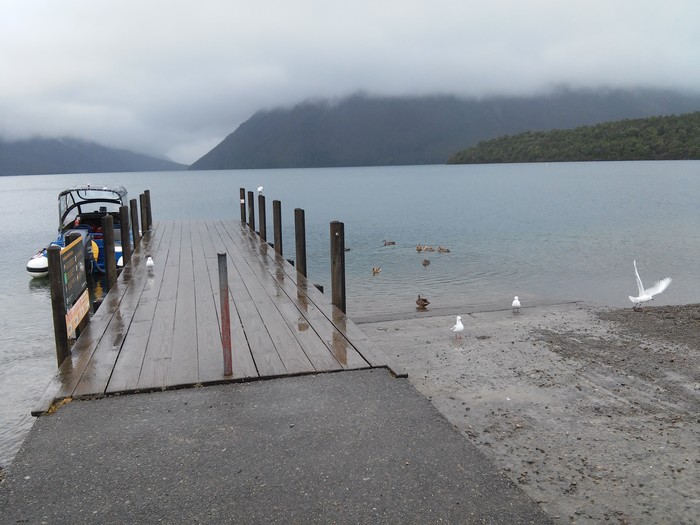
x=544, y=232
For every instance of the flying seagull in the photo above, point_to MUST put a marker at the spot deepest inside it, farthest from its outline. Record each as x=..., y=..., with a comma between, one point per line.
x=649, y=293
x=458, y=328
x=516, y=305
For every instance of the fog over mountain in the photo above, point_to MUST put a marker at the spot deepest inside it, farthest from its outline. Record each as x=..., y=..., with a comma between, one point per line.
x=363, y=130
x=172, y=79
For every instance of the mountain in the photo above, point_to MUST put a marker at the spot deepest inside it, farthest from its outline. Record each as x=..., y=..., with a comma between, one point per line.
x=675, y=137
x=66, y=155
x=365, y=130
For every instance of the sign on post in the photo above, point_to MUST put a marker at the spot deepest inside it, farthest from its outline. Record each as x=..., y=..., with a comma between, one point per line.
x=75, y=292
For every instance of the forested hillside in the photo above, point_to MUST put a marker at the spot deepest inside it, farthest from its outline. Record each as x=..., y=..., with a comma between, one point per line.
x=364, y=130
x=654, y=138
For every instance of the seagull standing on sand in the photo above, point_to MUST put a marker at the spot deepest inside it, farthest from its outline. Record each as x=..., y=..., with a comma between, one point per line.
x=649, y=293
x=458, y=328
x=516, y=305
x=149, y=264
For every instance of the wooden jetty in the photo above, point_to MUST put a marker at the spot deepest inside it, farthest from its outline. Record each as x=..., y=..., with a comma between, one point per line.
x=162, y=329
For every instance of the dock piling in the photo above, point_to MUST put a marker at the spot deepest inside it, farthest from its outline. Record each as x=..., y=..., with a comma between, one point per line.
x=251, y=211
x=300, y=240
x=58, y=304
x=124, y=231
x=338, y=264
x=263, y=220
x=134, y=209
x=109, y=255
x=277, y=225
x=149, y=209
x=225, y=314
x=242, y=193
x=144, y=213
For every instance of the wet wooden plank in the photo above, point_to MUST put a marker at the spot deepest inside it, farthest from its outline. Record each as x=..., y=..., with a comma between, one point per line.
x=332, y=335
x=267, y=360
x=208, y=307
x=184, y=363
x=351, y=332
x=86, y=345
x=286, y=345
x=301, y=324
x=156, y=361
x=127, y=368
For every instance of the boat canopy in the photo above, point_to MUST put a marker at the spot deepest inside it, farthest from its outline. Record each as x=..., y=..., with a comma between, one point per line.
x=89, y=199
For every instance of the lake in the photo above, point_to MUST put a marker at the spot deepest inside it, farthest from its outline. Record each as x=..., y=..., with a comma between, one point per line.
x=545, y=232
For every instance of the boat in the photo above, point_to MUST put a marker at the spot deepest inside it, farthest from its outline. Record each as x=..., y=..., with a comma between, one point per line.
x=80, y=210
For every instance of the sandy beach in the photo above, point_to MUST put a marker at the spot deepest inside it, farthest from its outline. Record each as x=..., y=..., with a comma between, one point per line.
x=594, y=412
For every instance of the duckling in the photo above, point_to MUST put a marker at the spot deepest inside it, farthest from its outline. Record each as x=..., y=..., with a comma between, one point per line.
x=422, y=302
x=442, y=249
x=426, y=262
x=389, y=243
x=428, y=249
x=419, y=248
x=376, y=270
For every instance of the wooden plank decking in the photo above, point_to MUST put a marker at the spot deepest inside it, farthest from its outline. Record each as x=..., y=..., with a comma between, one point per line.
x=163, y=330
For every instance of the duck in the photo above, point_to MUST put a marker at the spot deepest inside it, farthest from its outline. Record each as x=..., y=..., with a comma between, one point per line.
x=422, y=302
x=428, y=249
x=442, y=249
x=376, y=270
x=426, y=262
x=389, y=243
x=419, y=248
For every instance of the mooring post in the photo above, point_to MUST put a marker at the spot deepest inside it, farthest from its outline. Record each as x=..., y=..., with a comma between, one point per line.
x=134, y=209
x=300, y=240
x=124, y=232
x=149, y=209
x=251, y=211
x=338, y=264
x=58, y=304
x=277, y=225
x=144, y=213
x=110, y=259
x=225, y=314
x=263, y=220
x=242, y=205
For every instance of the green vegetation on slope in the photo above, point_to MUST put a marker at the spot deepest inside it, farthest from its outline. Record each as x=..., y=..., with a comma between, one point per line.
x=674, y=137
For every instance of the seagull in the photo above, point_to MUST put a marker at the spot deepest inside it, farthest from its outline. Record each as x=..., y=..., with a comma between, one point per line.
x=422, y=302
x=458, y=328
x=649, y=293
x=516, y=305
x=376, y=270
x=260, y=190
x=149, y=264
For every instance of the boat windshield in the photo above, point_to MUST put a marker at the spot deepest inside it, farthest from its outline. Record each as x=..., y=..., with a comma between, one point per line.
x=89, y=199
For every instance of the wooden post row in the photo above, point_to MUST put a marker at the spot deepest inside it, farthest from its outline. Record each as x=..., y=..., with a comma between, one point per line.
x=149, y=209
x=338, y=264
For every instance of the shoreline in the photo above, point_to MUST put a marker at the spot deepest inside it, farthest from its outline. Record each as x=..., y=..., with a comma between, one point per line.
x=592, y=411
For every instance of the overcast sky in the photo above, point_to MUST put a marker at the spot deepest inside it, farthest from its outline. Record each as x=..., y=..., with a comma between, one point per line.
x=174, y=77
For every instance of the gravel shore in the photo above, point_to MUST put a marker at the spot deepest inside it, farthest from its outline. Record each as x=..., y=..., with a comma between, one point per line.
x=594, y=412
